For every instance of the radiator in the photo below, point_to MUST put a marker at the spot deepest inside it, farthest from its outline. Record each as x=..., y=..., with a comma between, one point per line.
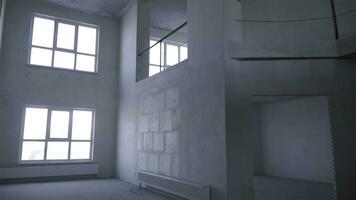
x=184, y=189
x=48, y=171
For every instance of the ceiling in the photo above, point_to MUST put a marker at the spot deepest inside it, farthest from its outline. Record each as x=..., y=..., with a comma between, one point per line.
x=168, y=14
x=165, y=14
x=108, y=8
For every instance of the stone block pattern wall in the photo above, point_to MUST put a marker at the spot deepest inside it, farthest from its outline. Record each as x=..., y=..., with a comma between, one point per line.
x=158, y=137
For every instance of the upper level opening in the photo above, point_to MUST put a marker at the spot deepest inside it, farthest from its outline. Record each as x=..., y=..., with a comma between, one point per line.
x=162, y=36
x=292, y=30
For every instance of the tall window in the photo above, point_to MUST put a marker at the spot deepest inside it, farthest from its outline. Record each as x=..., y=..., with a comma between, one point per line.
x=51, y=134
x=165, y=55
x=63, y=44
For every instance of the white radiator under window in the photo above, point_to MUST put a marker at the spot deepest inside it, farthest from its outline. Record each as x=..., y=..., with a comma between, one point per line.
x=173, y=186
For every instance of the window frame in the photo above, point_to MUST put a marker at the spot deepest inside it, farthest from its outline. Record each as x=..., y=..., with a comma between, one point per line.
x=163, y=46
x=49, y=139
x=58, y=20
x=179, y=45
x=161, y=65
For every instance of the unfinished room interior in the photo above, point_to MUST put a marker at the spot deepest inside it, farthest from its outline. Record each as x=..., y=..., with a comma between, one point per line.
x=177, y=99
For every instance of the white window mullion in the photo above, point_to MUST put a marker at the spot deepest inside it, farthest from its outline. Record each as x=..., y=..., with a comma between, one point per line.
x=164, y=56
x=179, y=54
x=49, y=116
x=54, y=41
x=70, y=134
x=42, y=47
x=64, y=50
x=97, y=49
x=97, y=41
x=30, y=140
x=30, y=42
x=92, y=135
x=76, y=46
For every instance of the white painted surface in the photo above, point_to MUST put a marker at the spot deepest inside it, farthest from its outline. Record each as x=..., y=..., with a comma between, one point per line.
x=158, y=142
x=153, y=122
x=172, y=142
x=165, y=164
x=142, y=161
x=152, y=163
x=148, y=141
x=165, y=121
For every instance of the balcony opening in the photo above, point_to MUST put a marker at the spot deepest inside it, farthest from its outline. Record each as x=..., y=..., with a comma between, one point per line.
x=293, y=148
x=166, y=45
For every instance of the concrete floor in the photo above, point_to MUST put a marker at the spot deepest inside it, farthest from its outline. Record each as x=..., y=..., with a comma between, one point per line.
x=109, y=189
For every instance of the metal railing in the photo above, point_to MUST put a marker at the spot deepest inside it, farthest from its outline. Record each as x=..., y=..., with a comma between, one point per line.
x=333, y=17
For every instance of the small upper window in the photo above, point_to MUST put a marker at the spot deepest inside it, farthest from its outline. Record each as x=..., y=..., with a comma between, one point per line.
x=63, y=44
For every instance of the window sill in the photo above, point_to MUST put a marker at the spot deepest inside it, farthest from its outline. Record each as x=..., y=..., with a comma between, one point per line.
x=55, y=170
x=178, y=66
x=51, y=163
x=61, y=69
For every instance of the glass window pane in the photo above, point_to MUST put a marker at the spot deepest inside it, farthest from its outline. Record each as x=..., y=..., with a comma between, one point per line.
x=43, y=32
x=183, y=53
x=172, y=55
x=59, y=124
x=85, y=63
x=154, y=70
x=63, y=60
x=155, y=53
x=32, y=151
x=57, y=150
x=35, y=123
x=87, y=40
x=65, y=37
x=80, y=151
x=41, y=57
x=82, y=125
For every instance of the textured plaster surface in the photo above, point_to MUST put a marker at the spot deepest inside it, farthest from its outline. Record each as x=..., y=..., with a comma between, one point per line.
x=169, y=14
x=160, y=143
x=108, y=8
x=191, y=91
x=21, y=84
x=165, y=14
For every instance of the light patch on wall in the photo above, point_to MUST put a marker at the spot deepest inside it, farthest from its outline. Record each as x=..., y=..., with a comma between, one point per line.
x=158, y=135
